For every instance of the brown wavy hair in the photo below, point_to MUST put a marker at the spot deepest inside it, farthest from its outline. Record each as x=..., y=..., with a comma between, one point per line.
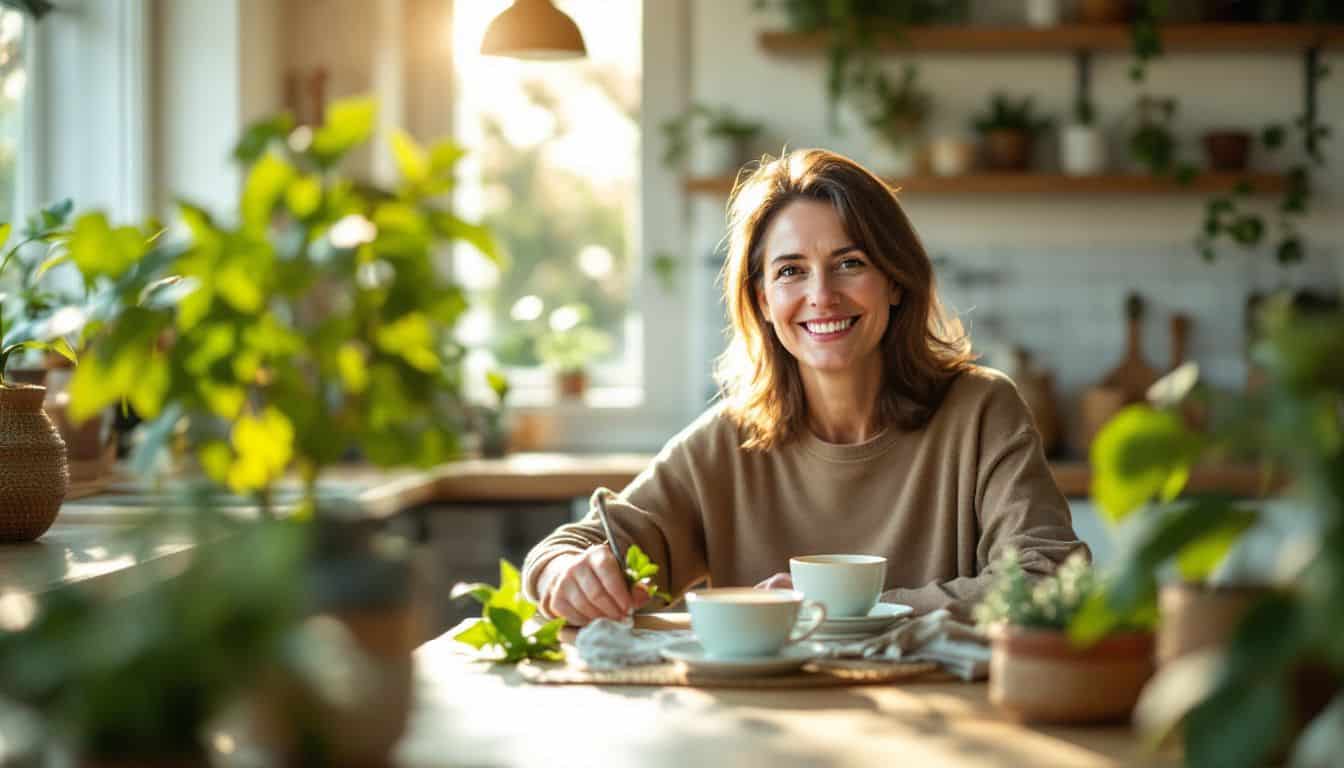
x=924, y=347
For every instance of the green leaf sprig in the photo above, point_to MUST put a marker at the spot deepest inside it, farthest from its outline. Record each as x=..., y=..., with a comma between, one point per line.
x=504, y=612
x=639, y=569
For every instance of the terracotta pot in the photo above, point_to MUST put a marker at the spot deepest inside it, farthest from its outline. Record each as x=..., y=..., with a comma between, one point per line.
x=33, y=471
x=571, y=384
x=1228, y=150
x=1104, y=11
x=1037, y=675
x=1195, y=616
x=1007, y=150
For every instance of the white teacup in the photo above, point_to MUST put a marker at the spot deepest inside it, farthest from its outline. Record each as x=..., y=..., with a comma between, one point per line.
x=735, y=622
x=848, y=585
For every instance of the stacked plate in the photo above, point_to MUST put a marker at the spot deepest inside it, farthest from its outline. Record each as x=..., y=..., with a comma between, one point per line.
x=878, y=620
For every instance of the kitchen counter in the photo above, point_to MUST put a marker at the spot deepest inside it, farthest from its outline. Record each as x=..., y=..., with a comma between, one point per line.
x=82, y=543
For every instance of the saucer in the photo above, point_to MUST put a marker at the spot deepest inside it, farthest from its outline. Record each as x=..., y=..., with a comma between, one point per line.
x=690, y=655
x=882, y=616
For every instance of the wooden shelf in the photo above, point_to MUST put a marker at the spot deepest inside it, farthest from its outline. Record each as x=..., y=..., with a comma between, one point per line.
x=1048, y=184
x=1245, y=38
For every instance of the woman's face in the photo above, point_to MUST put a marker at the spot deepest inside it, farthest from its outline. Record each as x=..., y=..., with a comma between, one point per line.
x=828, y=301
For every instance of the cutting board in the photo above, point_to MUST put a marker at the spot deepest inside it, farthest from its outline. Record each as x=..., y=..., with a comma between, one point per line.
x=1126, y=383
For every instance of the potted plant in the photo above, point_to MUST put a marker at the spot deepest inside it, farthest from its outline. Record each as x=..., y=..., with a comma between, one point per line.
x=136, y=680
x=34, y=474
x=727, y=144
x=1083, y=144
x=314, y=325
x=1227, y=150
x=1037, y=671
x=896, y=112
x=494, y=423
x=570, y=348
x=1271, y=685
x=1008, y=129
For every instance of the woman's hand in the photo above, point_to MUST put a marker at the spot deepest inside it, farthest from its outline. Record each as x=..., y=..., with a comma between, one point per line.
x=588, y=585
x=778, y=581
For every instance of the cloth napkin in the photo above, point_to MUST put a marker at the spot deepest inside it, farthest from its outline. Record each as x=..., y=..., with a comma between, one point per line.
x=958, y=648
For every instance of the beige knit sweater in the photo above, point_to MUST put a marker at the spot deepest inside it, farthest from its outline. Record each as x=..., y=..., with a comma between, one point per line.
x=940, y=503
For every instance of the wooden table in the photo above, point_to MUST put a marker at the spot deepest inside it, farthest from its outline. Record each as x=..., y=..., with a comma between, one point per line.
x=472, y=713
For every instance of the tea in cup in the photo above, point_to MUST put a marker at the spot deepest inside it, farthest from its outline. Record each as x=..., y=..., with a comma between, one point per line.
x=738, y=622
x=848, y=585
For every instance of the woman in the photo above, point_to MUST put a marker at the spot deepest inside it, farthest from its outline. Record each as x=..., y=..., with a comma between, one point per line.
x=852, y=420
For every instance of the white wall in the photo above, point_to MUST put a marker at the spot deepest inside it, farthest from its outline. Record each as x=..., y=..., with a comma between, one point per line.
x=1062, y=265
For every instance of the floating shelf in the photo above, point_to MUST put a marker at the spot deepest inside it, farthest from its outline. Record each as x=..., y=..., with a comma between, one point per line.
x=1049, y=184
x=1246, y=38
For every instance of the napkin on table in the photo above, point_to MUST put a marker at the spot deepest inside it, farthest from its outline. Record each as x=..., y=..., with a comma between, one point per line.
x=958, y=648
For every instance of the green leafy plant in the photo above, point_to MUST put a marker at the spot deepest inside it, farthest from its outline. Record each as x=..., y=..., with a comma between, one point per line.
x=1005, y=114
x=852, y=28
x=141, y=675
x=504, y=614
x=32, y=302
x=316, y=325
x=1084, y=112
x=640, y=570
x=897, y=109
x=1236, y=710
x=721, y=124
x=573, y=349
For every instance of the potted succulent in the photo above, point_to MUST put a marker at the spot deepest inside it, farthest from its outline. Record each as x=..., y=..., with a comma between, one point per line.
x=1083, y=145
x=1271, y=684
x=570, y=348
x=1008, y=129
x=727, y=144
x=1037, y=670
x=896, y=112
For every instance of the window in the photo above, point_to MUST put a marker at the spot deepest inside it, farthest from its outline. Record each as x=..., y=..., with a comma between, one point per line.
x=13, y=78
x=552, y=169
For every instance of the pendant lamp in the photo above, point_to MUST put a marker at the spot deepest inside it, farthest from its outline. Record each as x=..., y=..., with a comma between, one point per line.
x=533, y=29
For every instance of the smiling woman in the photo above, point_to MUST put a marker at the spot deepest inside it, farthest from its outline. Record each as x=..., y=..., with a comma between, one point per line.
x=852, y=421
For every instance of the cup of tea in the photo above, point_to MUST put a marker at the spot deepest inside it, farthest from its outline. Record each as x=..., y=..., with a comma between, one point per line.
x=739, y=622
x=848, y=585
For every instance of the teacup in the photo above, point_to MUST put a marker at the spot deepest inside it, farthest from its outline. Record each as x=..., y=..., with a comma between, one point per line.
x=736, y=622
x=848, y=585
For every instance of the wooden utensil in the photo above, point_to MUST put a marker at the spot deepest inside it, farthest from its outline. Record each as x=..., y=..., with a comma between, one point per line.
x=1180, y=338
x=1133, y=375
x=1037, y=387
x=1127, y=383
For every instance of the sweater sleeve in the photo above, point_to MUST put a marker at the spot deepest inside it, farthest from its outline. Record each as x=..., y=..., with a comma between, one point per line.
x=1018, y=505
x=657, y=511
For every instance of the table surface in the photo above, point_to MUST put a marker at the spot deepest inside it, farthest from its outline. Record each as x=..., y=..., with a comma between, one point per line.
x=472, y=712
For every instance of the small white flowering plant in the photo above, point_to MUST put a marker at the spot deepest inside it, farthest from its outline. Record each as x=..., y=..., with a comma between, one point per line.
x=1047, y=602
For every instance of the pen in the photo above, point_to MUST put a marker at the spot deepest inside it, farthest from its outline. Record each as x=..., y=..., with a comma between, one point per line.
x=606, y=526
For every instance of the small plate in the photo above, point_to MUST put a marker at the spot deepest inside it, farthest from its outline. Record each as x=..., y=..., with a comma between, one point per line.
x=882, y=616
x=690, y=655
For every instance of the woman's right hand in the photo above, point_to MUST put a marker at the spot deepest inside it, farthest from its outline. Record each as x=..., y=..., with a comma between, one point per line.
x=588, y=585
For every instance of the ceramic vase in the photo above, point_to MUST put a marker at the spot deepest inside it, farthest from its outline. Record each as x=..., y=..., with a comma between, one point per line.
x=1082, y=150
x=1037, y=675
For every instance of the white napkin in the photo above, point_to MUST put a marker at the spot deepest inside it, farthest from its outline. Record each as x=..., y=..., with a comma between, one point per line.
x=607, y=644
x=956, y=647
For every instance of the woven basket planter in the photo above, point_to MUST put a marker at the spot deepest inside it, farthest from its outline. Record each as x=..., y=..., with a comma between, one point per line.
x=33, y=471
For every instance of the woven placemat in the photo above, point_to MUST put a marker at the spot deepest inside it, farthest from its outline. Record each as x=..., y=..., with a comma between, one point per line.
x=821, y=673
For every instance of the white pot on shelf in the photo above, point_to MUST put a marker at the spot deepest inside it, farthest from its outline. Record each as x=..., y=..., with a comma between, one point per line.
x=1082, y=150
x=1043, y=13
x=951, y=156
x=717, y=157
x=899, y=160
